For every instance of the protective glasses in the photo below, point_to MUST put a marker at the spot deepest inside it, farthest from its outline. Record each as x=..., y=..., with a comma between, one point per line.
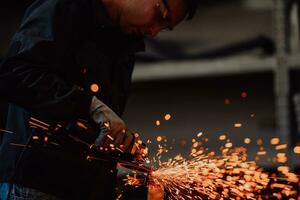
x=163, y=15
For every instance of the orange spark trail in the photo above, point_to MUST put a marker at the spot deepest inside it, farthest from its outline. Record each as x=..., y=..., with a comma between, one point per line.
x=227, y=176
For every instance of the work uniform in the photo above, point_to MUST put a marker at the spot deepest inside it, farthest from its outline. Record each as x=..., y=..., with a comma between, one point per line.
x=61, y=48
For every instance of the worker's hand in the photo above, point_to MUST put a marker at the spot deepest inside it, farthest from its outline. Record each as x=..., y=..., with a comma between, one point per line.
x=113, y=128
x=139, y=149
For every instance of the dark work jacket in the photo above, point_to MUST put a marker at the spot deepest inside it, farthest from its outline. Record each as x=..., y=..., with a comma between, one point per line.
x=60, y=49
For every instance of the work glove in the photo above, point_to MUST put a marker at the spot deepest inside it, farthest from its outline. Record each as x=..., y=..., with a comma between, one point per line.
x=112, y=136
x=139, y=149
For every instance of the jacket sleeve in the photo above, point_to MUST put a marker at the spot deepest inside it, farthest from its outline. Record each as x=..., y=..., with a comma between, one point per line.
x=28, y=76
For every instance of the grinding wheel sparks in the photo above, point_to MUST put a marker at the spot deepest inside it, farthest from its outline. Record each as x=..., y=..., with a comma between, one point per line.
x=225, y=175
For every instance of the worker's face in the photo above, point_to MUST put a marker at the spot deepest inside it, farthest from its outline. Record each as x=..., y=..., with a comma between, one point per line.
x=149, y=17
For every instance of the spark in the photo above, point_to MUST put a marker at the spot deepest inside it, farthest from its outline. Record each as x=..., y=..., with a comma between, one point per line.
x=297, y=149
x=205, y=175
x=283, y=169
x=38, y=125
x=222, y=137
x=199, y=134
x=110, y=137
x=40, y=122
x=196, y=144
x=133, y=180
x=227, y=175
x=94, y=88
x=35, y=137
x=167, y=117
x=262, y=153
x=157, y=122
x=281, y=147
x=119, y=197
x=81, y=125
x=275, y=141
x=247, y=140
x=120, y=150
x=281, y=157
x=159, y=139
x=228, y=145
x=238, y=125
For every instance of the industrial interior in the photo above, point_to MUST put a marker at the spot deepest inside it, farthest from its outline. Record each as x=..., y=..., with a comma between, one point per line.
x=229, y=78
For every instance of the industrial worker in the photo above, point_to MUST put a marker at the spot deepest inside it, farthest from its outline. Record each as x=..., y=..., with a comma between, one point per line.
x=73, y=59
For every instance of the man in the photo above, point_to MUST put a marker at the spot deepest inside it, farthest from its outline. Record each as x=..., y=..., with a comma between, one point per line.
x=73, y=59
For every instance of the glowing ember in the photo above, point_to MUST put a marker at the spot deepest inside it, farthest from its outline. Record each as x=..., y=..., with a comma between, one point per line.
x=159, y=139
x=297, y=150
x=167, y=117
x=119, y=197
x=261, y=153
x=283, y=169
x=281, y=147
x=110, y=137
x=157, y=122
x=228, y=145
x=275, y=141
x=35, y=137
x=281, y=158
x=238, y=125
x=222, y=137
x=199, y=134
x=207, y=175
x=133, y=180
x=94, y=88
x=81, y=125
x=247, y=140
x=196, y=144
x=210, y=176
x=227, y=174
